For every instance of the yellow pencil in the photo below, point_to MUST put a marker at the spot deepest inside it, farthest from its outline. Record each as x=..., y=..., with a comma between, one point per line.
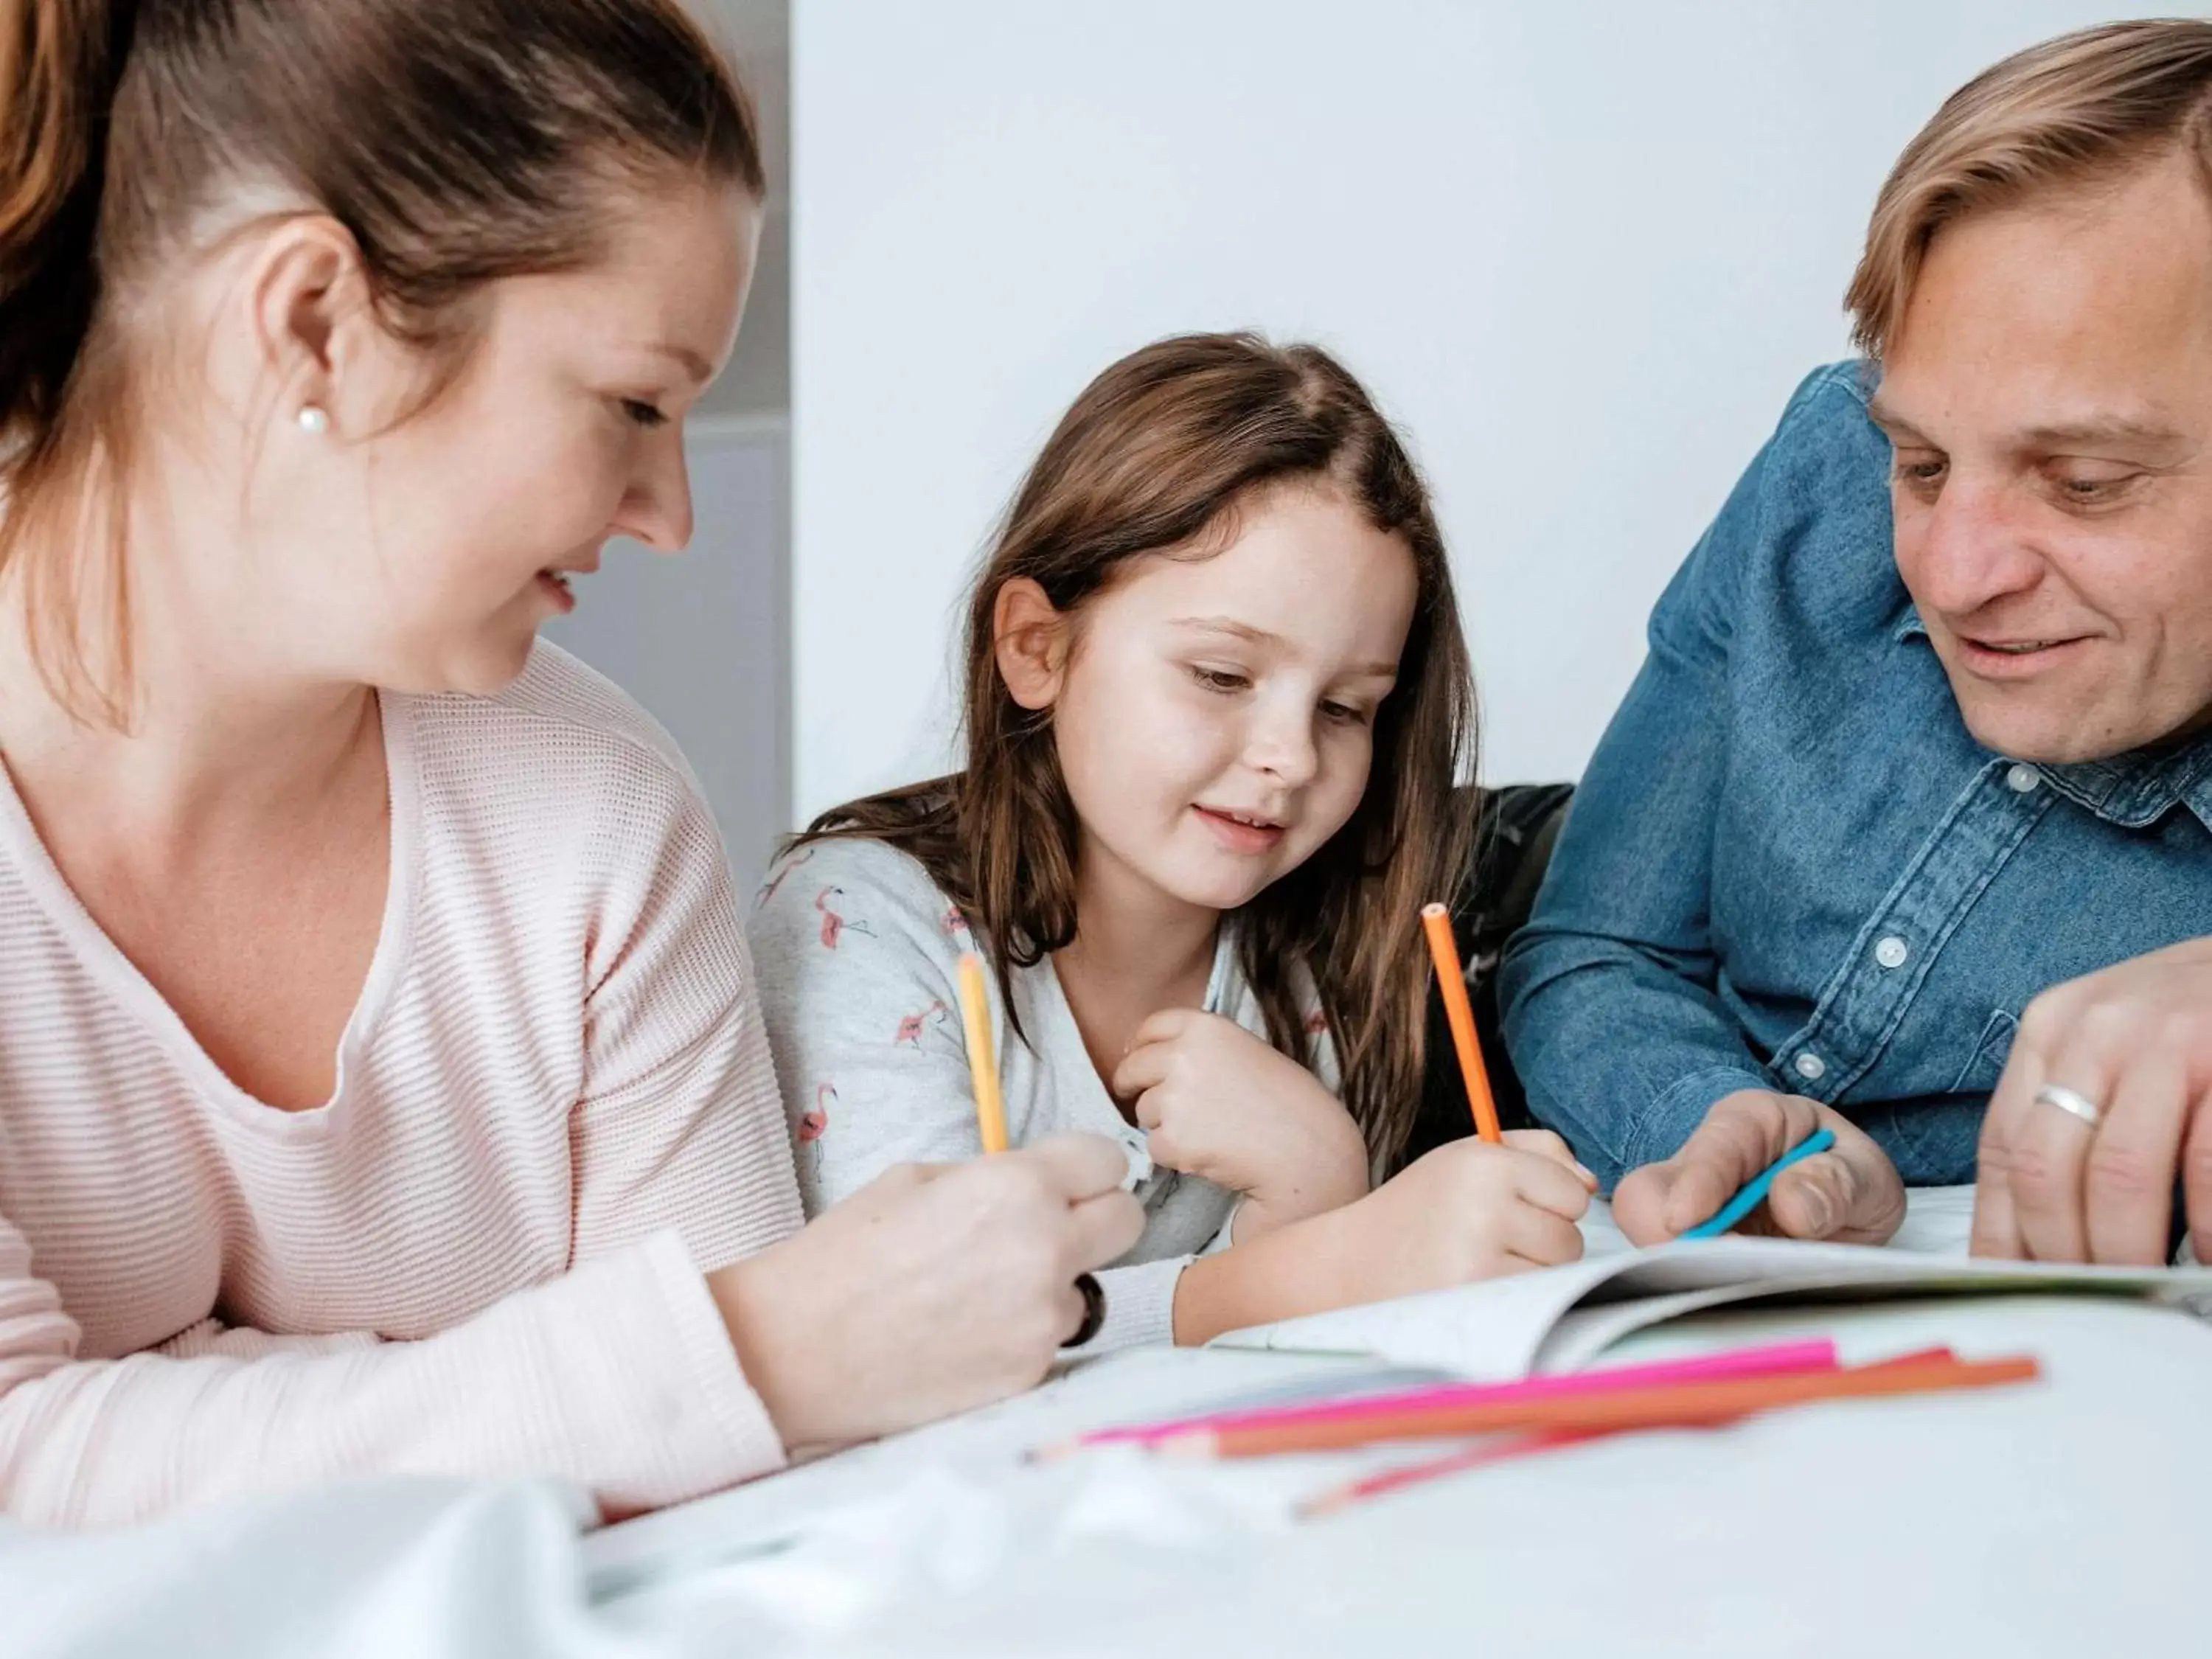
x=983, y=1063
x=1451, y=979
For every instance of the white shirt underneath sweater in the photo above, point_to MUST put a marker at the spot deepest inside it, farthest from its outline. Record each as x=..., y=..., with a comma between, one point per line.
x=859, y=969
x=554, y=1109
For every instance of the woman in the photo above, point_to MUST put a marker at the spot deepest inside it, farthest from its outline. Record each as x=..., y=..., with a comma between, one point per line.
x=382, y=1084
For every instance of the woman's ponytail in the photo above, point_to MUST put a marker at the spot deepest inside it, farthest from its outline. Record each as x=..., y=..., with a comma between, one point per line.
x=60, y=61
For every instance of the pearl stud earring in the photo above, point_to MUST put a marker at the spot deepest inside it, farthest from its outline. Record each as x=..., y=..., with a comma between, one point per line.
x=314, y=421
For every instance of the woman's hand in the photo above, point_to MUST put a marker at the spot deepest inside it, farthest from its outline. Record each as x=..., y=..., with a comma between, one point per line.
x=1850, y=1194
x=934, y=1289
x=1218, y=1102
x=2134, y=1044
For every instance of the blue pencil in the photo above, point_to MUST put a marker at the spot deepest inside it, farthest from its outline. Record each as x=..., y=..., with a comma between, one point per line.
x=1754, y=1192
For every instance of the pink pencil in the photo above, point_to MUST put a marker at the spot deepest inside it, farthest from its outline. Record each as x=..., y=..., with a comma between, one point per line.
x=1771, y=1359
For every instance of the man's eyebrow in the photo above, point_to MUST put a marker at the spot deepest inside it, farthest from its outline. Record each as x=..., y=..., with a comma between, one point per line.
x=1890, y=421
x=1235, y=629
x=2092, y=432
x=2099, y=430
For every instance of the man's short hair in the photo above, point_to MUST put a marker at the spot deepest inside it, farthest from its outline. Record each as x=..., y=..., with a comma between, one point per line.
x=2068, y=114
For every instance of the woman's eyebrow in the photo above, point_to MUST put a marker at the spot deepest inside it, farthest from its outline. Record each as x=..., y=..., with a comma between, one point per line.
x=692, y=362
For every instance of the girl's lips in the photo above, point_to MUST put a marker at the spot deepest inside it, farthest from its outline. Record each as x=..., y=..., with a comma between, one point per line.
x=1238, y=835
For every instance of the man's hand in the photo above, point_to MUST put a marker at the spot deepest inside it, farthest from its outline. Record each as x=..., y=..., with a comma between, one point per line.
x=1850, y=1194
x=2135, y=1043
x=1218, y=1102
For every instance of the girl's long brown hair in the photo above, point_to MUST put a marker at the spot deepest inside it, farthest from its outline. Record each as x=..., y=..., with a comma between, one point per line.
x=1154, y=457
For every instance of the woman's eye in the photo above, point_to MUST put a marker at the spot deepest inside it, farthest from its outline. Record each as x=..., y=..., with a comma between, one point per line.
x=643, y=413
x=1343, y=714
x=1219, y=679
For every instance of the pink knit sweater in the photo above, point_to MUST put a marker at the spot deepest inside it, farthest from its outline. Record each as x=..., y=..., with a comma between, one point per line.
x=554, y=1109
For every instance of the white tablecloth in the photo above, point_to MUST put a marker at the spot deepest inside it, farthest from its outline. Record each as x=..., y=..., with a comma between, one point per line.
x=2074, y=1516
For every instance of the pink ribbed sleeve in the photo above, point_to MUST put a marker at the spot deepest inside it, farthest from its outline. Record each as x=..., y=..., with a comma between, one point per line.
x=484, y=1256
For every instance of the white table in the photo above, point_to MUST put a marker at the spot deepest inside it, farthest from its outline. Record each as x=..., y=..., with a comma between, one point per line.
x=2074, y=1516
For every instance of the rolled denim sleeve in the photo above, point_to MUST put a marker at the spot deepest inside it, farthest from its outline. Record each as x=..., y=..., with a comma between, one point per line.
x=1609, y=995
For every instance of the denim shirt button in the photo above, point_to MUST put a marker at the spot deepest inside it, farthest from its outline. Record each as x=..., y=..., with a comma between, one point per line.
x=1810, y=1066
x=1892, y=952
x=2022, y=778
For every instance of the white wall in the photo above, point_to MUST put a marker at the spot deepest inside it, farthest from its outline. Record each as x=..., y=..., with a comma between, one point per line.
x=702, y=639
x=1582, y=252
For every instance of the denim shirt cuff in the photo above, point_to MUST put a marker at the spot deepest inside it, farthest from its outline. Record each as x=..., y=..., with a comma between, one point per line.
x=1670, y=1120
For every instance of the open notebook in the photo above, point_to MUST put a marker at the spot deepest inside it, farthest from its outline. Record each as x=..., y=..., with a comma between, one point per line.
x=1562, y=1318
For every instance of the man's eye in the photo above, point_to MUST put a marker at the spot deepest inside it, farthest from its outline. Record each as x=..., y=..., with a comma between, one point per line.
x=1921, y=475
x=643, y=413
x=2077, y=488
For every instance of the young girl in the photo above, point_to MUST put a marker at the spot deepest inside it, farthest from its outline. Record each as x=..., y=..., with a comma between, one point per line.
x=1216, y=698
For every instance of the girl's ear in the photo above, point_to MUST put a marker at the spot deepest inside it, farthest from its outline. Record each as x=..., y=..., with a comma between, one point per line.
x=1028, y=636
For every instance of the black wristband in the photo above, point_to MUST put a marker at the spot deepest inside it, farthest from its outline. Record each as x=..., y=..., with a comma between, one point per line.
x=1094, y=1309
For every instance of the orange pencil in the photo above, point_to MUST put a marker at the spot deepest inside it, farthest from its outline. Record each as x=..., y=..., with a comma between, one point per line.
x=1680, y=1405
x=1451, y=979
x=1499, y=1449
x=983, y=1063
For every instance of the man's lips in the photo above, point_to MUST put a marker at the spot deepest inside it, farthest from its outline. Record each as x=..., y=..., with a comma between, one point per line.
x=2015, y=656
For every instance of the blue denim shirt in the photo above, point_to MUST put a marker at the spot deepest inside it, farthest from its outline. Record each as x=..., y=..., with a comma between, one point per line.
x=1790, y=867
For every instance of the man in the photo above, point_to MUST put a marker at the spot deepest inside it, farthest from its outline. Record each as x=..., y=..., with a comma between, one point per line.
x=1926, y=726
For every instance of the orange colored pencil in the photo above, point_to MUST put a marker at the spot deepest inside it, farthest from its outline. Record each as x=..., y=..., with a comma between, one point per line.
x=1678, y=1405
x=1451, y=979
x=1496, y=1449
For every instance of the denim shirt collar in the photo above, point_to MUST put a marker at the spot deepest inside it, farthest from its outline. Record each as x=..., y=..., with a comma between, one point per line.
x=2133, y=791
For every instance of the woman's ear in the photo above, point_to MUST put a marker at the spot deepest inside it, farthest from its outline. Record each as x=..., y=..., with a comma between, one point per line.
x=315, y=329
x=1028, y=636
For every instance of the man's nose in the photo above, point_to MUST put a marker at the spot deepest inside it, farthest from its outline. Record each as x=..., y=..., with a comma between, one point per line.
x=1975, y=549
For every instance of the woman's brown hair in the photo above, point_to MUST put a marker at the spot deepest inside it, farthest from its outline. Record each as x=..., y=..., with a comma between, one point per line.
x=458, y=143
x=1156, y=456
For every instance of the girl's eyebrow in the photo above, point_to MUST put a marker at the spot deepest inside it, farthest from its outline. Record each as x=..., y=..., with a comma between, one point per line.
x=1231, y=626
x=1235, y=629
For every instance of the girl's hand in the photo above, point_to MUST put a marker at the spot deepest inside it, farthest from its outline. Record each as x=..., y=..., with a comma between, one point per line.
x=934, y=1289
x=1851, y=1194
x=1468, y=1210
x=1218, y=1101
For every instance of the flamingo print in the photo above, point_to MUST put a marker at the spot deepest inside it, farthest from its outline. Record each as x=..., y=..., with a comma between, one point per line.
x=955, y=922
x=810, y=1125
x=911, y=1028
x=834, y=926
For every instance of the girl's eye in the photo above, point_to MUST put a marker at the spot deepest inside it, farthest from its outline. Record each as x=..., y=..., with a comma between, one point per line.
x=643, y=413
x=1343, y=714
x=1219, y=679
